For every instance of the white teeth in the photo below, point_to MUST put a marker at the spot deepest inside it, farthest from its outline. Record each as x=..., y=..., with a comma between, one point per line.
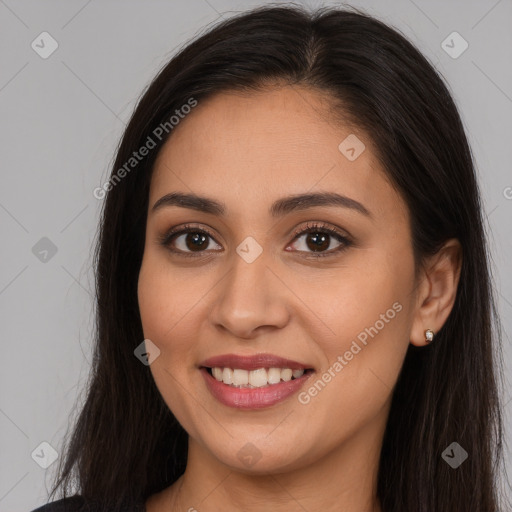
x=255, y=378
x=286, y=374
x=227, y=376
x=240, y=377
x=258, y=378
x=274, y=375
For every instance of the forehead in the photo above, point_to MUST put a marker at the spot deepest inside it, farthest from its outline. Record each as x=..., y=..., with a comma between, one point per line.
x=249, y=149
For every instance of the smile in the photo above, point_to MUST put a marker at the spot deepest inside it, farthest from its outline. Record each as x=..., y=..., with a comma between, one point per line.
x=240, y=378
x=246, y=397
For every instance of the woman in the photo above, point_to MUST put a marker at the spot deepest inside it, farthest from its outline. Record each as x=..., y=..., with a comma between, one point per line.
x=294, y=303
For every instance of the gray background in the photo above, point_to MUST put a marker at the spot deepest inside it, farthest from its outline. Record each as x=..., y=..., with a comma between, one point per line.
x=61, y=118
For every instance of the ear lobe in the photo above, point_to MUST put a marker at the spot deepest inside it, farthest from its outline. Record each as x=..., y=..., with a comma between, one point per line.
x=437, y=291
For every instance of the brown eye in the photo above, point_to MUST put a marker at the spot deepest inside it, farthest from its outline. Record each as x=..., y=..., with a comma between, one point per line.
x=188, y=240
x=196, y=241
x=318, y=240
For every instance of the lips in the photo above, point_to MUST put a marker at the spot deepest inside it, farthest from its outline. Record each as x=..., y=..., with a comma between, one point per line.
x=263, y=394
x=253, y=362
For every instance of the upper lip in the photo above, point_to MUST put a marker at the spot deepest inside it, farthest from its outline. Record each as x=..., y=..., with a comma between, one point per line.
x=253, y=362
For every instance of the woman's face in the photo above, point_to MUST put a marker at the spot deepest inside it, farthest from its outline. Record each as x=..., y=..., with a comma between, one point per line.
x=261, y=283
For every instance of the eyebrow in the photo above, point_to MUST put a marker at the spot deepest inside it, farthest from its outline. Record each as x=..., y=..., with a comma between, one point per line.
x=279, y=208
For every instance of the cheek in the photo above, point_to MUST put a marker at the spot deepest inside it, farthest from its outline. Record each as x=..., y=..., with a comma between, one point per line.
x=154, y=302
x=163, y=296
x=163, y=305
x=364, y=296
x=172, y=308
x=369, y=312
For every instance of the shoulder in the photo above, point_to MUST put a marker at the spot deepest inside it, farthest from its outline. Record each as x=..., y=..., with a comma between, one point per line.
x=70, y=504
x=76, y=504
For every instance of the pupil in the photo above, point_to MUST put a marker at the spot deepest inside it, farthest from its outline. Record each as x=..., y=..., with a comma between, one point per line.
x=198, y=241
x=319, y=241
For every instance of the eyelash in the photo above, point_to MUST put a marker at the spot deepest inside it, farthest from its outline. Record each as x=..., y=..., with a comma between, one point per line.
x=314, y=227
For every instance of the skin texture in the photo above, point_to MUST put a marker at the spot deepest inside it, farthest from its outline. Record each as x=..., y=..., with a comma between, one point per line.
x=246, y=151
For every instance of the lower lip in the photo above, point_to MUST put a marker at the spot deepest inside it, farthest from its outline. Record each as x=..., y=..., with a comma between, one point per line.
x=252, y=398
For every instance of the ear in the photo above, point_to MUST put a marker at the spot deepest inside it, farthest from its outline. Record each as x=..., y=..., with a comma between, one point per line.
x=436, y=291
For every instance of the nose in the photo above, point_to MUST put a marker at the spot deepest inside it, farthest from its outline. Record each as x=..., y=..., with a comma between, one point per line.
x=249, y=300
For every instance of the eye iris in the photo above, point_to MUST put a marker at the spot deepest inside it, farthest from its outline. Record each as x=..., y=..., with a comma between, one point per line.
x=199, y=241
x=319, y=241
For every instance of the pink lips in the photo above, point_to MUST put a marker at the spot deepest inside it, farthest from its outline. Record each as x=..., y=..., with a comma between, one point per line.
x=252, y=362
x=255, y=398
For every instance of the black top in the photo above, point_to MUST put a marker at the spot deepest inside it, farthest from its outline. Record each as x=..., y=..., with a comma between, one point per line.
x=77, y=504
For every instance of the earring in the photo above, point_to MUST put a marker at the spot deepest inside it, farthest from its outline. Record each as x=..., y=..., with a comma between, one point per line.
x=429, y=335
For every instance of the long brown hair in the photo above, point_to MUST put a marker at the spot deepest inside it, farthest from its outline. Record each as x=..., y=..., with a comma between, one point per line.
x=126, y=443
